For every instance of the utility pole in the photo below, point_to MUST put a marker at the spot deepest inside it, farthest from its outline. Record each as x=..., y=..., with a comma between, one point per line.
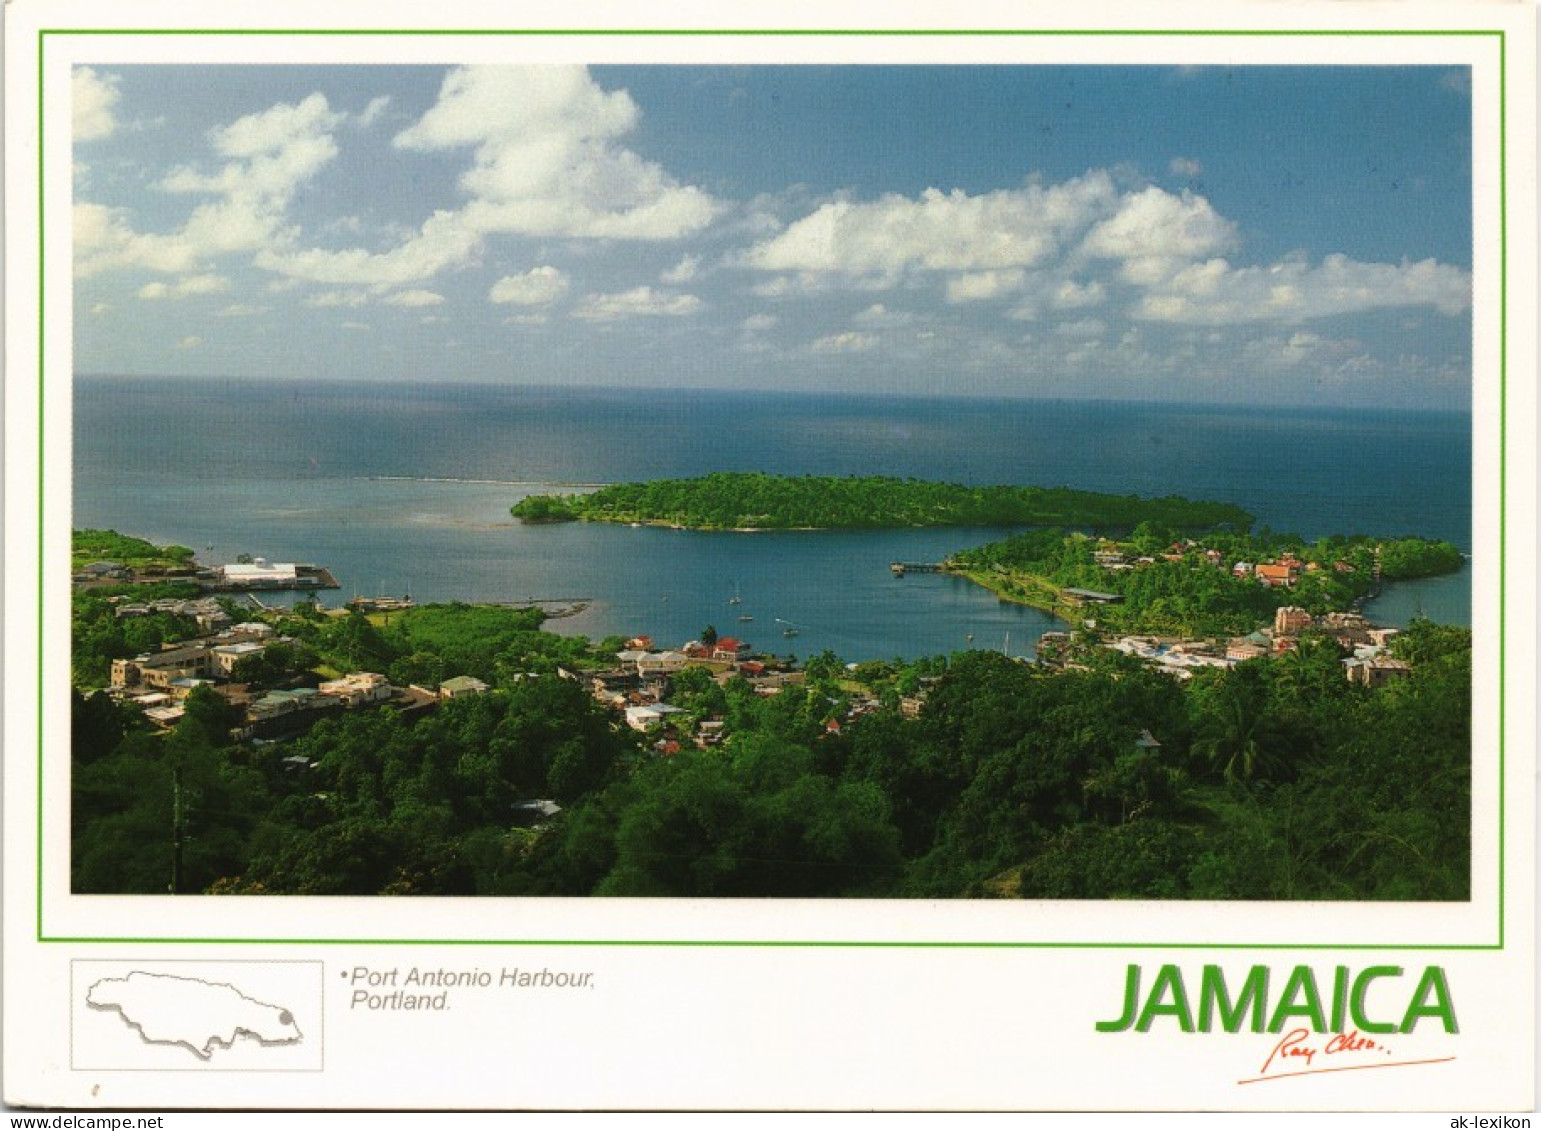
x=175, y=887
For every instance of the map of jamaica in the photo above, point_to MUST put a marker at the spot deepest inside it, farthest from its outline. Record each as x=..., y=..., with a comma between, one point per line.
x=200, y=1016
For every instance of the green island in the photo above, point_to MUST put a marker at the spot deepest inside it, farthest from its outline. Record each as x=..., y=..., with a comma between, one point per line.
x=456, y=750
x=756, y=501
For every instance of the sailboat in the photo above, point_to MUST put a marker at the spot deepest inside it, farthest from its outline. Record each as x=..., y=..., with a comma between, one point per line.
x=735, y=599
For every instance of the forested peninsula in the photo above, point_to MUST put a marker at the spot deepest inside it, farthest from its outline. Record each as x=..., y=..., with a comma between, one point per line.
x=755, y=501
x=1155, y=581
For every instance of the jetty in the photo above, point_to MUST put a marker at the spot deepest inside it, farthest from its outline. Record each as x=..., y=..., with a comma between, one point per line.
x=259, y=574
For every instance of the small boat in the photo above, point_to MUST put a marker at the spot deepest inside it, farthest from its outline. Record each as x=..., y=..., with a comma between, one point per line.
x=735, y=599
x=746, y=616
x=789, y=632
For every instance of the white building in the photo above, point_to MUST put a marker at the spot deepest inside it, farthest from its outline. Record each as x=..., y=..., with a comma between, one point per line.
x=260, y=573
x=226, y=656
x=358, y=688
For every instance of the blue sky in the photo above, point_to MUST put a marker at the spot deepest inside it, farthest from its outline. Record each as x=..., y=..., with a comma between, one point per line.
x=1276, y=235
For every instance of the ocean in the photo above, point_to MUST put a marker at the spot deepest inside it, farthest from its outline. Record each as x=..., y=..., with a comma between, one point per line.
x=404, y=489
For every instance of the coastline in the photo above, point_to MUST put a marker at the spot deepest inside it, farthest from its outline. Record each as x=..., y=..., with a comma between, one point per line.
x=1054, y=606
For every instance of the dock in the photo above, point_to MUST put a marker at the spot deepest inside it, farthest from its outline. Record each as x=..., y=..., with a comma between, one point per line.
x=899, y=569
x=305, y=579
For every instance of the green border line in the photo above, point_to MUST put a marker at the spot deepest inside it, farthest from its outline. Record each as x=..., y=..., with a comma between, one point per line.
x=1503, y=463
x=784, y=33
x=785, y=944
x=1503, y=183
x=42, y=322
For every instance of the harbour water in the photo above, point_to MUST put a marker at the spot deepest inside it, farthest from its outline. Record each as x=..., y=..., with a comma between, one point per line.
x=404, y=489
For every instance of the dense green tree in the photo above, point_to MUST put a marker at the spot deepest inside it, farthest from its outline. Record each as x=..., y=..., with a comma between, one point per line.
x=733, y=500
x=1235, y=732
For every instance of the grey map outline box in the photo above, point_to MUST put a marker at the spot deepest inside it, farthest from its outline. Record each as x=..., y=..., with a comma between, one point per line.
x=105, y=1038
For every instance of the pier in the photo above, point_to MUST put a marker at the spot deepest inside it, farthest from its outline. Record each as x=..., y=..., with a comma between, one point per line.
x=555, y=608
x=899, y=569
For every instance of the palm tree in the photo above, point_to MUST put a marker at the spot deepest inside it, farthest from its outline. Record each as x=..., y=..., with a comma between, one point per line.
x=1236, y=734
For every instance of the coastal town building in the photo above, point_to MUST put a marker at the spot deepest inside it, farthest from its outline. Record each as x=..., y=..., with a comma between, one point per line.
x=1244, y=648
x=259, y=573
x=461, y=685
x=226, y=656
x=1376, y=671
x=730, y=648
x=160, y=669
x=1278, y=575
x=358, y=688
x=1291, y=620
x=645, y=717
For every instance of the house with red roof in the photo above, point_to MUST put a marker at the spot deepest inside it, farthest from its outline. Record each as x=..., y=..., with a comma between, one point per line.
x=729, y=648
x=1278, y=575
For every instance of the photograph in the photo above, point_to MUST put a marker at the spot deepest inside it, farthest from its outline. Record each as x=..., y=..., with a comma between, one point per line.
x=844, y=560
x=1042, y=482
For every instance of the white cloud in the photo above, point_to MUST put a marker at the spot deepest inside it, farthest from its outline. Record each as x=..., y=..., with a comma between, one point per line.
x=444, y=241
x=1215, y=293
x=278, y=130
x=938, y=231
x=1155, y=234
x=1301, y=345
x=242, y=310
x=1071, y=295
x=540, y=286
x=981, y=286
x=758, y=322
x=1185, y=167
x=361, y=326
x=414, y=298
x=326, y=300
x=373, y=111
x=787, y=286
x=92, y=99
x=851, y=341
x=1067, y=247
x=1084, y=328
x=182, y=288
x=275, y=152
x=547, y=163
x=100, y=307
x=271, y=154
x=878, y=315
x=191, y=342
x=683, y=271
x=103, y=239
x=639, y=301
x=547, y=160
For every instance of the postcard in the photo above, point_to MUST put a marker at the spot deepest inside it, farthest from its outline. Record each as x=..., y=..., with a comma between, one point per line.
x=823, y=558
